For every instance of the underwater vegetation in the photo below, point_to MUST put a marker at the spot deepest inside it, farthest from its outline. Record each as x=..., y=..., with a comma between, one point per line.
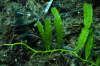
x=86, y=35
x=52, y=43
x=46, y=32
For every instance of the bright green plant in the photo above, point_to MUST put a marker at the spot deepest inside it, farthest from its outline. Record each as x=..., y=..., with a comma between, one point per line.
x=82, y=39
x=40, y=29
x=89, y=46
x=46, y=33
x=86, y=35
x=88, y=15
x=59, y=28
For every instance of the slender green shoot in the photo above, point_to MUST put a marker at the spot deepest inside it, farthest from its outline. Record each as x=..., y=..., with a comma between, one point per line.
x=89, y=46
x=88, y=15
x=41, y=30
x=46, y=33
x=51, y=51
x=82, y=39
x=58, y=27
x=88, y=19
x=86, y=35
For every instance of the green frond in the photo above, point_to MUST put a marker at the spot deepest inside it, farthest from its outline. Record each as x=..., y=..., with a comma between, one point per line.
x=88, y=15
x=58, y=27
x=82, y=39
x=89, y=45
x=85, y=38
x=48, y=34
x=40, y=29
